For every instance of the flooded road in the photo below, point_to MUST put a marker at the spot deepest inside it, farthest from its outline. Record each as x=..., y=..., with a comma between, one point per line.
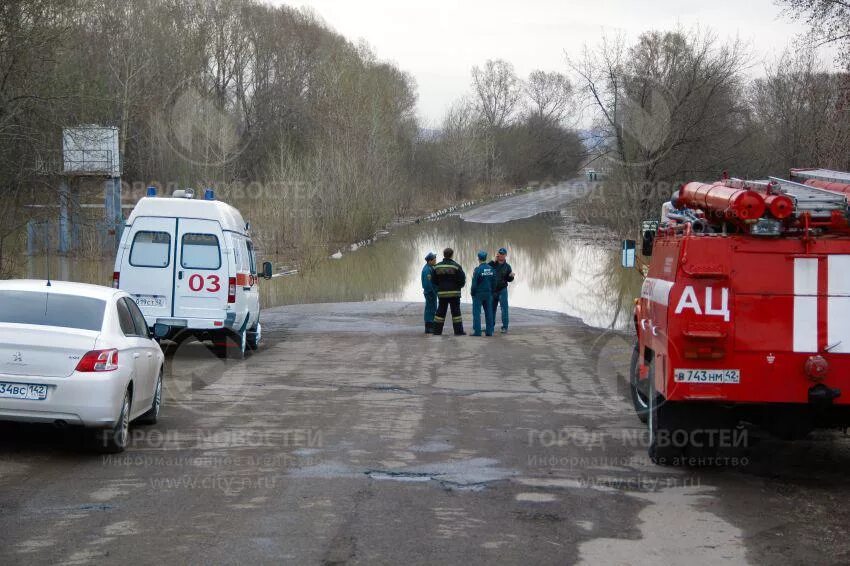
x=561, y=265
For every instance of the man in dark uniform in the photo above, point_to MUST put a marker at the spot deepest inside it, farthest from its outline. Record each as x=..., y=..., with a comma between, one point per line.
x=430, y=291
x=504, y=275
x=483, y=285
x=449, y=279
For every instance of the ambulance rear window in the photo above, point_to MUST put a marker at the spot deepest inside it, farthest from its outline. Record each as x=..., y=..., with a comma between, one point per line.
x=200, y=251
x=151, y=249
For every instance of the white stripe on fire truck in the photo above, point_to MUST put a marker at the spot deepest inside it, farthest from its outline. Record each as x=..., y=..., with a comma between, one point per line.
x=838, y=304
x=656, y=290
x=805, y=304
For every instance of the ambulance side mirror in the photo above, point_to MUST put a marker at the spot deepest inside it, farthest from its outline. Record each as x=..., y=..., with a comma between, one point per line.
x=648, y=241
x=267, y=270
x=627, y=253
x=160, y=330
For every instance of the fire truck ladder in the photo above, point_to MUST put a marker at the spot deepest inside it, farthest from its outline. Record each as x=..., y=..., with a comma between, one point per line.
x=819, y=203
x=821, y=175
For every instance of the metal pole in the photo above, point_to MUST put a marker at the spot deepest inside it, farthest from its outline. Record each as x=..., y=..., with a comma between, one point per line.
x=112, y=211
x=31, y=237
x=64, y=236
x=74, y=218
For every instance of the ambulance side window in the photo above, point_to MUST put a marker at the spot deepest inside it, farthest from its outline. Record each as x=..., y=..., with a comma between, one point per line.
x=151, y=249
x=251, y=257
x=200, y=251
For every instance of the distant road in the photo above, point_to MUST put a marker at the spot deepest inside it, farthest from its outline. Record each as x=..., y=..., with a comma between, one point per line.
x=526, y=205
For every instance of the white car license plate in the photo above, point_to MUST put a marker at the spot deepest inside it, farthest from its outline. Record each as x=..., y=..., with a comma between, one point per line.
x=707, y=375
x=23, y=391
x=149, y=300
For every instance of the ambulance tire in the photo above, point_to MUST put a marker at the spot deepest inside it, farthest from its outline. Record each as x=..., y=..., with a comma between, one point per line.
x=230, y=344
x=640, y=401
x=235, y=345
x=241, y=344
x=255, y=335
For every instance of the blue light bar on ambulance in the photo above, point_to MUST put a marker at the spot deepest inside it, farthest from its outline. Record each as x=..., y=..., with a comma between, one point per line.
x=209, y=194
x=151, y=191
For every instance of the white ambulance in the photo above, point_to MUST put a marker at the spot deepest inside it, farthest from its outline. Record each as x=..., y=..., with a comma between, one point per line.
x=190, y=265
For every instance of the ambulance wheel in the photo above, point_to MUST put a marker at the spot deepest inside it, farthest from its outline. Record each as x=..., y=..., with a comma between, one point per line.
x=639, y=391
x=241, y=344
x=255, y=336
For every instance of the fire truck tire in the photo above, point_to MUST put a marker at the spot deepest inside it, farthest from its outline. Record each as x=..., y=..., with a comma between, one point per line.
x=664, y=423
x=640, y=399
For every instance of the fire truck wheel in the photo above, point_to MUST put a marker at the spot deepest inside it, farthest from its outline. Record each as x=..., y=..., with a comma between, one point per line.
x=639, y=391
x=664, y=423
x=667, y=420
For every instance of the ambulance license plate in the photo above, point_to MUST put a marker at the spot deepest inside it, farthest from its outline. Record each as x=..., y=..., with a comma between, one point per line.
x=149, y=300
x=707, y=375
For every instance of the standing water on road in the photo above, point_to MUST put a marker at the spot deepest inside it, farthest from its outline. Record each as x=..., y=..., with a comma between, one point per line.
x=560, y=265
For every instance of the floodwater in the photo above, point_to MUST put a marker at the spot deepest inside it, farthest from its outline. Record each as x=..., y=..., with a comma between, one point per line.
x=560, y=266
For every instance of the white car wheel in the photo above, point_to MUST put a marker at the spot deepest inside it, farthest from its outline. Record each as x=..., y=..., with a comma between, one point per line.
x=114, y=440
x=153, y=414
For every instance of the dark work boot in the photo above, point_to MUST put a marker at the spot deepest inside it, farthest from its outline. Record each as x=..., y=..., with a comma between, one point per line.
x=459, y=329
x=437, y=327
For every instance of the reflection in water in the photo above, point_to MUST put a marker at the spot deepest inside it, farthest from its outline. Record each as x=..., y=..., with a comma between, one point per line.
x=560, y=266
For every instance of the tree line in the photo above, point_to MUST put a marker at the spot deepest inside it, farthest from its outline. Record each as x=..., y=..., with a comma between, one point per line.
x=312, y=135
x=317, y=139
x=673, y=107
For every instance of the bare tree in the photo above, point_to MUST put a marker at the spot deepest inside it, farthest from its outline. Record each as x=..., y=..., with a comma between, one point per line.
x=498, y=91
x=548, y=95
x=668, y=107
x=828, y=20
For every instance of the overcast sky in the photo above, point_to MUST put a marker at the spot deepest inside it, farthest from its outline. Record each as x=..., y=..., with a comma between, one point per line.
x=439, y=41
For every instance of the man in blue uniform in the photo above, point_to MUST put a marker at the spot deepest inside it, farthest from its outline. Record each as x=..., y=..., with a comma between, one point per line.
x=430, y=291
x=504, y=275
x=483, y=285
x=449, y=279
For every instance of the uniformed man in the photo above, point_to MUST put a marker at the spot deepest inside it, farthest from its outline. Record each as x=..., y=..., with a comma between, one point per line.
x=483, y=285
x=504, y=275
x=449, y=279
x=430, y=291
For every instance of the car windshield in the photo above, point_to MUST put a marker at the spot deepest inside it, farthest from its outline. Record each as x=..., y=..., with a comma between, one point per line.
x=51, y=309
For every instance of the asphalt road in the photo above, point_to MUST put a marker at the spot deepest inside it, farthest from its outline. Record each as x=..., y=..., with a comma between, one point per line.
x=526, y=205
x=351, y=438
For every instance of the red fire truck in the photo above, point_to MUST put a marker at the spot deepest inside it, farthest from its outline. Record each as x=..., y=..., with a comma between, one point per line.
x=744, y=313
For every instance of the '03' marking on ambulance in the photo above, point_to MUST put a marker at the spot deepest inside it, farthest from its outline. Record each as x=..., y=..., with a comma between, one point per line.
x=689, y=300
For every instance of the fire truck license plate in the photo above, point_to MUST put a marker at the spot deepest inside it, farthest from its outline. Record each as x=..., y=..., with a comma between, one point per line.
x=707, y=375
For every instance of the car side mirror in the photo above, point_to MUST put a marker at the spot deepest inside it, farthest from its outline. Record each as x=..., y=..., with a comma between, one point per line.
x=160, y=330
x=627, y=253
x=267, y=270
x=648, y=241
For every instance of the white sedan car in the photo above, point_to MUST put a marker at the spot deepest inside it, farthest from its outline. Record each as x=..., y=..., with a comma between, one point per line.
x=77, y=354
